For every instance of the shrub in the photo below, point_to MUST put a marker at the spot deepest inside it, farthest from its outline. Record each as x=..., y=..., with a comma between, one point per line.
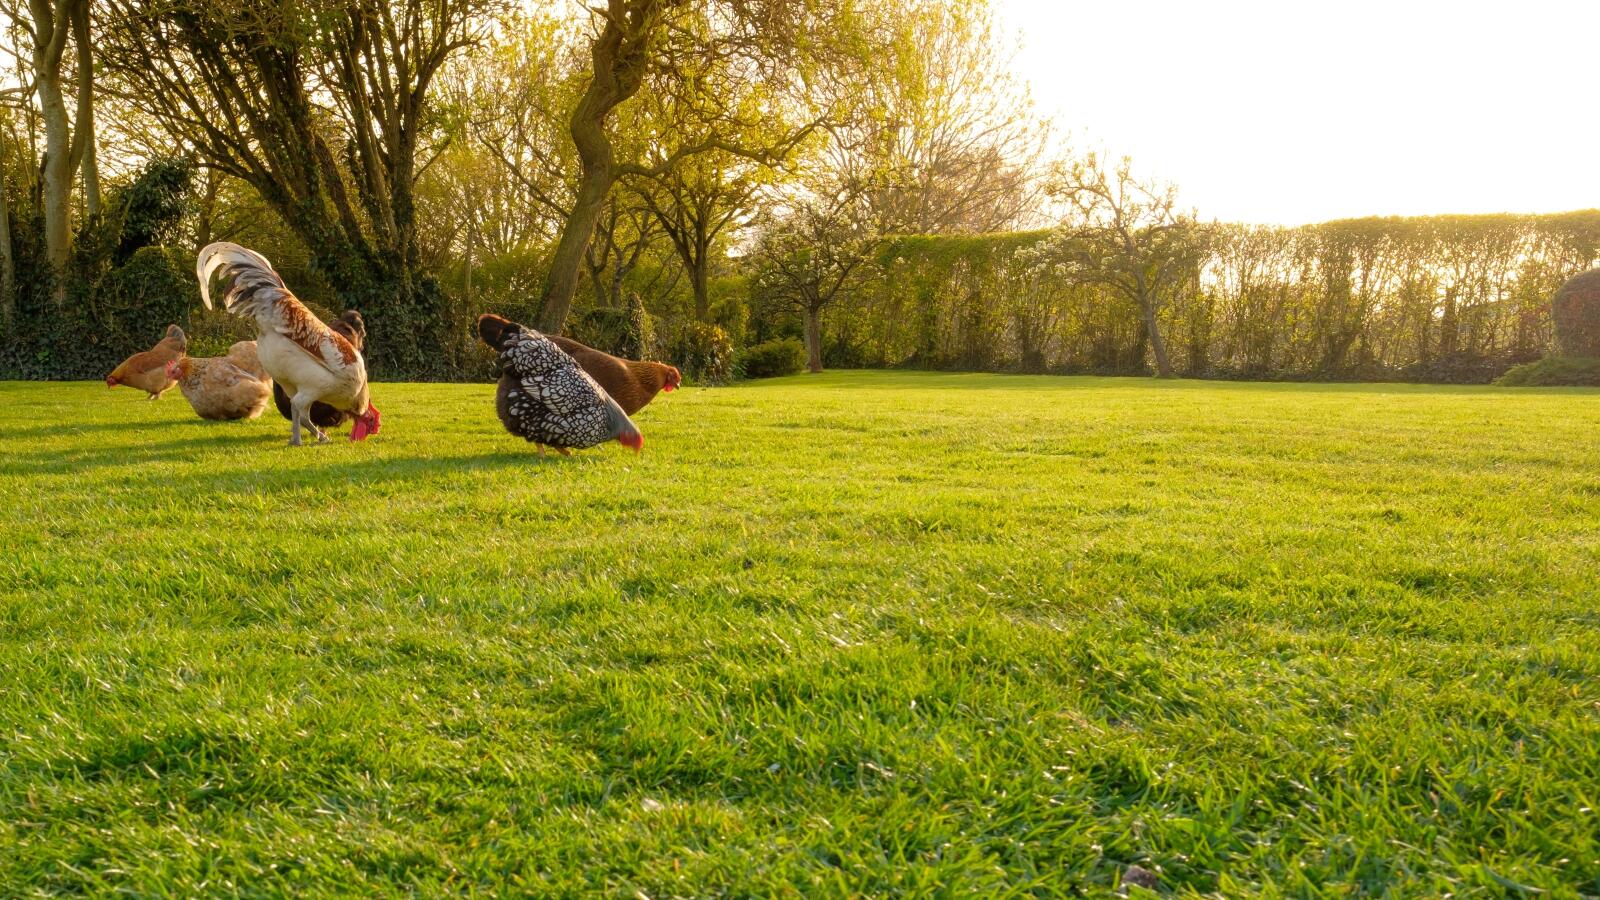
x=212, y=331
x=1555, y=371
x=121, y=292
x=602, y=329
x=774, y=358
x=640, y=333
x=1575, y=311
x=707, y=354
x=1455, y=368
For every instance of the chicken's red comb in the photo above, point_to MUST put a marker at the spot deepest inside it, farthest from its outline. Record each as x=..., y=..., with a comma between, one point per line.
x=366, y=424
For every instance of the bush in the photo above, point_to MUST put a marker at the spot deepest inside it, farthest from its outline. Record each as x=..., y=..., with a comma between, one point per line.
x=212, y=331
x=1575, y=311
x=602, y=329
x=774, y=358
x=1456, y=368
x=640, y=336
x=121, y=291
x=707, y=354
x=1554, y=371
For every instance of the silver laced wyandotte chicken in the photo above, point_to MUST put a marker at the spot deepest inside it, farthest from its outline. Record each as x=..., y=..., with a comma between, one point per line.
x=313, y=362
x=545, y=397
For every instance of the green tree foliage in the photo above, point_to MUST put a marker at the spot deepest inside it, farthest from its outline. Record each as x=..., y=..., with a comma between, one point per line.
x=814, y=252
x=328, y=112
x=945, y=138
x=121, y=291
x=690, y=53
x=733, y=163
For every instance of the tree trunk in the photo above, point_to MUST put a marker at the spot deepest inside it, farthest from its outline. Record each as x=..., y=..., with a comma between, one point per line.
x=813, y=338
x=602, y=294
x=593, y=185
x=1158, y=345
x=207, y=209
x=57, y=169
x=8, y=262
x=466, y=277
x=83, y=127
x=1448, y=327
x=700, y=276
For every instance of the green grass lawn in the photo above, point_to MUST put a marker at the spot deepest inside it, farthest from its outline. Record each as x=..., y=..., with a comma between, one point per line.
x=855, y=633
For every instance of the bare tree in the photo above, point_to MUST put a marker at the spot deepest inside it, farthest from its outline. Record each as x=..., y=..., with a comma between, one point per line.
x=950, y=143
x=815, y=250
x=696, y=204
x=1129, y=236
x=625, y=232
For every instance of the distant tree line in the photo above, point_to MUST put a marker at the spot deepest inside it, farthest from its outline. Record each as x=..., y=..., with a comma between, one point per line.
x=1438, y=298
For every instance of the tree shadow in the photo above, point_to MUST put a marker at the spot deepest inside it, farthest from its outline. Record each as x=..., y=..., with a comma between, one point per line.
x=309, y=469
x=363, y=471
x=69, y=429
x=79, y=460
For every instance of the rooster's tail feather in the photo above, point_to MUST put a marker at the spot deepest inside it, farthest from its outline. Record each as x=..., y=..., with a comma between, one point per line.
x=253, y=287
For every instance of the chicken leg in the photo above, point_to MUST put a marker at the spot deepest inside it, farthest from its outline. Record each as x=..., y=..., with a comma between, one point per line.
x=300, y=411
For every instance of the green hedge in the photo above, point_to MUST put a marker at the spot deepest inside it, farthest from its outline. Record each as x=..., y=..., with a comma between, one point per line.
x=1555, y=371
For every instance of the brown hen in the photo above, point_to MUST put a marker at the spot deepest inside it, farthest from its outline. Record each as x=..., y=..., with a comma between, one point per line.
x=632, y=383
x=147, y=371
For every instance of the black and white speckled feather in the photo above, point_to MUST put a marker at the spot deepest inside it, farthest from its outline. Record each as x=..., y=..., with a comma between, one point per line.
x=545, y=397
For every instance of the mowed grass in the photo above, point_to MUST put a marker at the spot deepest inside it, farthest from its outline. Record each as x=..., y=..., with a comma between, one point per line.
x=850, y=634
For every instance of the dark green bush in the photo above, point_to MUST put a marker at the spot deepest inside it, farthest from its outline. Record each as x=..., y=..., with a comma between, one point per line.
x=1575, y=312
x=628, y=332
x=772, y=359
x=1555, y=371
x=121, y=293
x=707, y=354
x=602, y=329
x=212, y=331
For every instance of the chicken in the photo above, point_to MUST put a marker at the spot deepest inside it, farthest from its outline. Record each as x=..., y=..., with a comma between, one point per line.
x=354, y=329
x=546, y=397
x=243, y=354
x=147, y=371
x=226, y=387
x=633, y=384
x=312, y=361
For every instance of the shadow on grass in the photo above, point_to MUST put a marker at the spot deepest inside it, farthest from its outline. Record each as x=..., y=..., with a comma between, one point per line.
x=69, y=429
x=308, y=466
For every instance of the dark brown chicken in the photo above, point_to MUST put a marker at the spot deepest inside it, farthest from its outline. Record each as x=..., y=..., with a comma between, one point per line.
x=354, y=330
x=633, y=384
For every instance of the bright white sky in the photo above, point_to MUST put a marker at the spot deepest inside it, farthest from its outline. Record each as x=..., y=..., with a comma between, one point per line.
x=1295, y=111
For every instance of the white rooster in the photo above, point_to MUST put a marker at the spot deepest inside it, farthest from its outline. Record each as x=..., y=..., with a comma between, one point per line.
x=313, y=362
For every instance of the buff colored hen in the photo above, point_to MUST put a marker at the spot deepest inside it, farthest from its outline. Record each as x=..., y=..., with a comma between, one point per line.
x=147, y=371
x=224, y=387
